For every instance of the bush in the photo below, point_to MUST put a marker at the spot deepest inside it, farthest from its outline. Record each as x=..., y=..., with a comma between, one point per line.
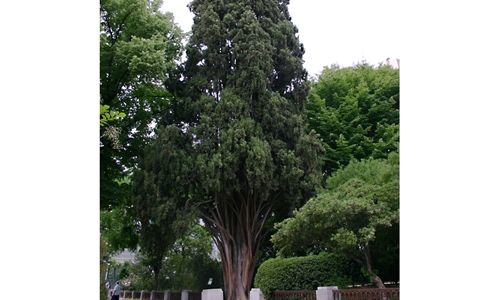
x=305, y=273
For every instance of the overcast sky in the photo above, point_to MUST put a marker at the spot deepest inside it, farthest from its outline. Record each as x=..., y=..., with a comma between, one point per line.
x=332, y=31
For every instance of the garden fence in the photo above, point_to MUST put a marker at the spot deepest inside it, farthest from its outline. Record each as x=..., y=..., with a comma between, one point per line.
x=338, y=294
x=366, y=294
x=294, y=295
x=158, y=295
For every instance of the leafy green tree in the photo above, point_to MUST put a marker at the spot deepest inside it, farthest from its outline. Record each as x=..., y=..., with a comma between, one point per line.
x=361, y=202
x=240, y=113
x=139, y=45
x=355, y=110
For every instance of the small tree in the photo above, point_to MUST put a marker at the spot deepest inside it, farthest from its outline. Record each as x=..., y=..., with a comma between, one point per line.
x=362, y=200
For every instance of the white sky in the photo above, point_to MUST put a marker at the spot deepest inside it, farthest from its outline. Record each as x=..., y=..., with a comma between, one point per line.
x=333, y=31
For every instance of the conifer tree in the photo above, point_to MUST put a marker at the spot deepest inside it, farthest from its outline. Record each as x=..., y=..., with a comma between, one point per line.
x=241, y=111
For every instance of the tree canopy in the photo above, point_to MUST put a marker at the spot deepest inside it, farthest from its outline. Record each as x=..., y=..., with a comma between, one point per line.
x=355, y=110
x=360, y=202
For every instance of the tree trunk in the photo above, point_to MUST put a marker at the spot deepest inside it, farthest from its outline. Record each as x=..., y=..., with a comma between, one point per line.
x=236, y=227
x=378, y=282
x=238, y=272
x=156, y=271
x=369, y=268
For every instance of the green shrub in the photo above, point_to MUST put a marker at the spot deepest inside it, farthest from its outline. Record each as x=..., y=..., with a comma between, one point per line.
x=305, y=273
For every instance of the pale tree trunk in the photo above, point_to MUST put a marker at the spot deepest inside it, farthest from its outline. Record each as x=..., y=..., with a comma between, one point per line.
x=236, y=227
x=369, y=268
x=156, y=271
x=367, y=262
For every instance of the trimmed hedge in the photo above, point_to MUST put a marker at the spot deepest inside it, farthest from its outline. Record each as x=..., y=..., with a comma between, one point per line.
x=305, y=273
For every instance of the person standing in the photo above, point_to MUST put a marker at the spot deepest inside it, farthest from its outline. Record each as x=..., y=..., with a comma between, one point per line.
x=116, y=291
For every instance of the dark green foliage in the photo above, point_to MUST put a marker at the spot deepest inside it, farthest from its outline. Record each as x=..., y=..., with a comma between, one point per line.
x=244, y=61
x=305, y=273
x=162, y=215
x=355, y=110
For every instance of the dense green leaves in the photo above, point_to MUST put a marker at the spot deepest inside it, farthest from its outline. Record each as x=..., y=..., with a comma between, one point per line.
x=305, y=273
x=355, y=110
x=249, y=135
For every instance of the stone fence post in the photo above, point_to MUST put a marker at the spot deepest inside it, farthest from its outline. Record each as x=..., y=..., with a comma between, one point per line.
x=185, y=294
x=166, y=295
x=212, y=294
x=256, y=294
x=325, y=292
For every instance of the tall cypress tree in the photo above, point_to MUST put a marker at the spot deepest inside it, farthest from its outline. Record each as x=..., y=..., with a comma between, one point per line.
x=241, y=109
